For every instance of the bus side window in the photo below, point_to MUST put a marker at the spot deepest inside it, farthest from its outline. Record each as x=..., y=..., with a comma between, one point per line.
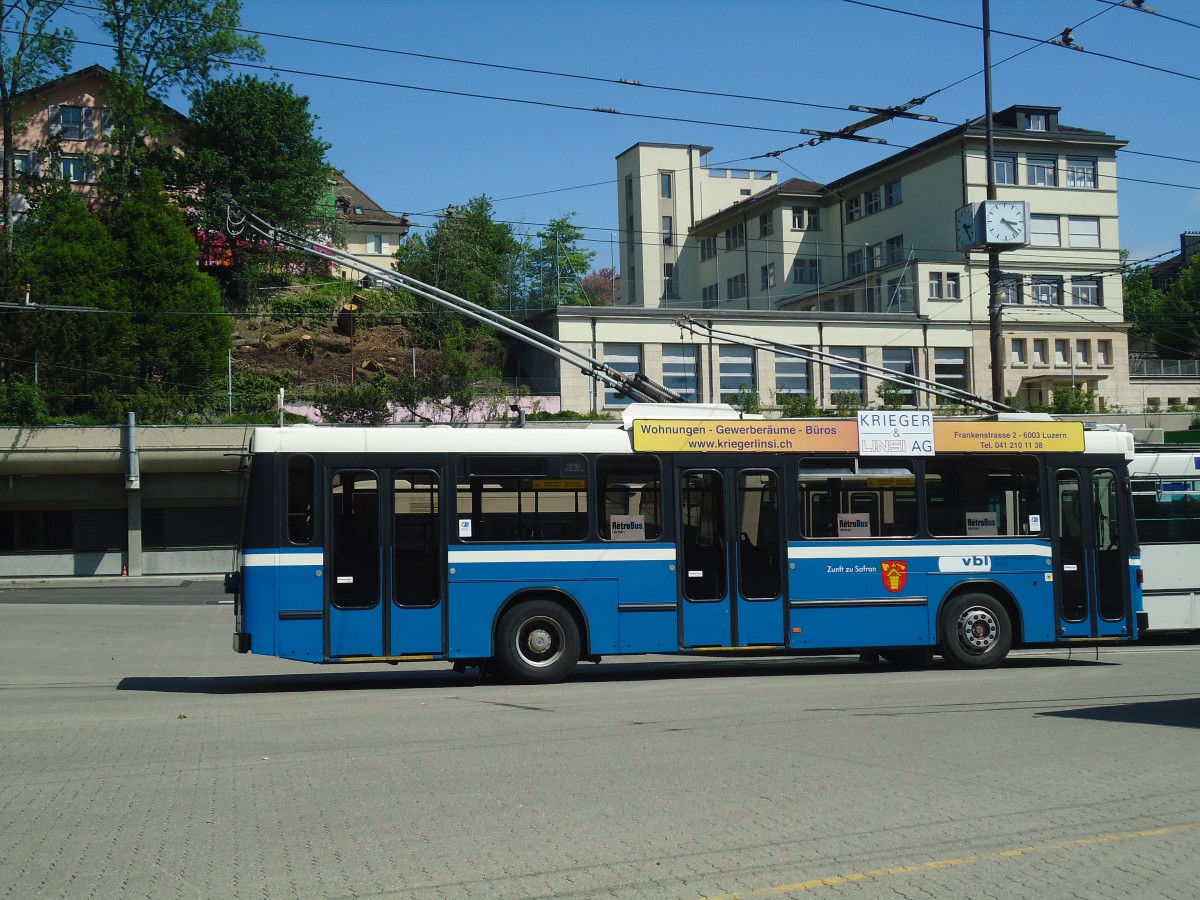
x=630, y=507
x=301, y=492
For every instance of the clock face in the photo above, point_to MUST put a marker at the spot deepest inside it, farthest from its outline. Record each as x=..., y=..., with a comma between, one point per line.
x=964, y=227
x=1004, y=223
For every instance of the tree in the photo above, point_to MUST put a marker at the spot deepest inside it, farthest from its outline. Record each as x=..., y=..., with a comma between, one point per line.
x=35, y=53
x=1143, y=305
x=600, y=286
x=555, y=267
x=1181, y=310
x=68, y=259
x=254, y=141
x=158, y=46
x=468, y=254
x=183, y=334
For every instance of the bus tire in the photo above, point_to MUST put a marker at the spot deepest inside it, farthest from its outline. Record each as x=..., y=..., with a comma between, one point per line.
x=976, y=632
x=537, y=642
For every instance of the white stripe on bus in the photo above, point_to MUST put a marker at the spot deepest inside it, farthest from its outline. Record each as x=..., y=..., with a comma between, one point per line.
x=908, y=549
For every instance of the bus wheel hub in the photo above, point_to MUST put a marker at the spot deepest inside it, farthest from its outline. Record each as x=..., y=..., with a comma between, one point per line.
x=979, y=628
x=539, y=640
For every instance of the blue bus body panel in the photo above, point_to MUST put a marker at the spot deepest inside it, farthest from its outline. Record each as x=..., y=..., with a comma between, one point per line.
x=283, y=602
x=866, y=594
x=600, y=578
x=416, y=630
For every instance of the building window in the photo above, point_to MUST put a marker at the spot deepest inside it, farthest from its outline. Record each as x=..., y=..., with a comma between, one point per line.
x=894, y=195
x=668, y=237
x=681, y=372
x=874, y=200
x=1083, y=353
x=766, y=225
x=378, y=244
x=874, y=256
x=902, y=361
x=76, y=169
x=1084, y=231
x=73, y=123
x=768, y=276
x=625, y=358
x=736, y=287
x=847, y=379
x=806, y=218
x=664, y=185
x=950, y=368
x=1043, y=231
x=792, y=375
x=629, y=188
x=710, y=296
x=1047, y=290
x=736, y=372
x=1041, y=171
x=708, y=248
x=1104, y=353
x=854, y=263
x=25, y=162
x=1060, y=352
x=1081, y=173
x=668, y=279
x=935, y=285
x=894, y=250
x=1010, y=290
x=1039, y=351
x=853, y=209
x=1035, y=121
x=952, y=286
x=1005, y=167
x=735, y=236
x=806, y=271
x=1018, y=351
x=1085, y=291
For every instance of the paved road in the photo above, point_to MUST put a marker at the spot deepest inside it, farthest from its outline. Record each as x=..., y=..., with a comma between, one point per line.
x=142, y=757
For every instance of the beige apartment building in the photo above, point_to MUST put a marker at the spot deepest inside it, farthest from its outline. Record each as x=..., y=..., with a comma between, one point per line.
x=868, y=268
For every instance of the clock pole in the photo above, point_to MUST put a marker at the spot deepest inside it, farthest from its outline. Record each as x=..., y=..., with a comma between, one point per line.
x=995, y=305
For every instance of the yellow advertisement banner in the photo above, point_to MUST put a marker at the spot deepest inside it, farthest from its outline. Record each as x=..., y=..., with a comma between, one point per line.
x=841, y=436
x=745, y=436
x=1008, y=437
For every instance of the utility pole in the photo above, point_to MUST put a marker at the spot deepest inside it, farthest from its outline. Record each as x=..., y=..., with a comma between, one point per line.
x=995, y=297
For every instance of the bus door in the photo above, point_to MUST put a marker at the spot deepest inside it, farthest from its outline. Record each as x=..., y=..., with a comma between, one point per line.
x=731, y=557
x=385, y=563
x=1091, y=560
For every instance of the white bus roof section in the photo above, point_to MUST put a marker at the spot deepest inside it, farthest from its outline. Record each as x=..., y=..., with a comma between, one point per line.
x=406, y=439
x=1105, y=441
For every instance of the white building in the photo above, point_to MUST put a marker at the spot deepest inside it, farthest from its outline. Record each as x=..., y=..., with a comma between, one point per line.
x=867, y=267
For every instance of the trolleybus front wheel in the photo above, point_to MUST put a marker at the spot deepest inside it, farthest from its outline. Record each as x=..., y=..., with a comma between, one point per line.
x=976, y=632
x=538, y=641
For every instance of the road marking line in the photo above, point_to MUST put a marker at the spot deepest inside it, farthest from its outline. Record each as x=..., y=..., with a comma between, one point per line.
x=950, y=863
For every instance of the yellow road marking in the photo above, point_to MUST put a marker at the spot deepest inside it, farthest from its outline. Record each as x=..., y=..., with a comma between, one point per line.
x=950, y=863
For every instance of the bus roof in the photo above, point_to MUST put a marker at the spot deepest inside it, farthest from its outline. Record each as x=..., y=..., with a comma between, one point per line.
x=559, y=437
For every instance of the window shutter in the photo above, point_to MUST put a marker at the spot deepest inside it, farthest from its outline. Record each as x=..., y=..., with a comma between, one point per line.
x=87, y=120
x=106, y=123
x=386, y=244
x=55, y=119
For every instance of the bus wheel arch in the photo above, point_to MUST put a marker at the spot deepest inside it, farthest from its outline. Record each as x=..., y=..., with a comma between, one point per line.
x=977, y=626
x=539, y=637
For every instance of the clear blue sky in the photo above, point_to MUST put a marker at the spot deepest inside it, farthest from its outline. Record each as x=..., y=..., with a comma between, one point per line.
x=418, y=150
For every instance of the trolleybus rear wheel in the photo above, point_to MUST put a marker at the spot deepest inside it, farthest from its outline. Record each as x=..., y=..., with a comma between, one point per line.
x=976, y=632
x=538, y=641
